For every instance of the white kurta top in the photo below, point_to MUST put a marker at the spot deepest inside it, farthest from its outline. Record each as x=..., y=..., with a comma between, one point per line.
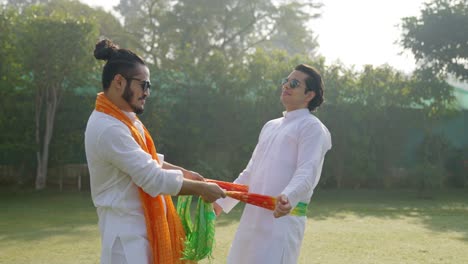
x=117, y=166
x=287, y=160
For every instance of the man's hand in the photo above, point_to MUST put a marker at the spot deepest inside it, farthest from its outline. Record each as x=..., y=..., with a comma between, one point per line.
x=212, y=192
x=283, y=207
x=192, y=175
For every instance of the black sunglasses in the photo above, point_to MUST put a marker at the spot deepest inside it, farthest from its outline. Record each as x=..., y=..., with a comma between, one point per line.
x=293, y=83
x=145, y=85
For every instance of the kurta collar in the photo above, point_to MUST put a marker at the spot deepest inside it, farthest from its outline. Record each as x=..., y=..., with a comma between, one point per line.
x=296, y=113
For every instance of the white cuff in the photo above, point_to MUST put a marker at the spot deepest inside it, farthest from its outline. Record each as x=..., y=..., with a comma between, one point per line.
x=227, y=203
x=174, y=185
x=160, y=158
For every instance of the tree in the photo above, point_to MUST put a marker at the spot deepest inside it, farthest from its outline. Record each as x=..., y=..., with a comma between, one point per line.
x=439, y=42
x=108, y=25
x=9, y=67
x=173, y=34
x=23, y=4
x=56, y=54
x=431, y=94
x=17, y=88
x=291, y=32
x=16, y=123
x=439, y=37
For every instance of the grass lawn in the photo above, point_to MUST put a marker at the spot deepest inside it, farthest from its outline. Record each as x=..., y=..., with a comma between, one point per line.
x=364, y=226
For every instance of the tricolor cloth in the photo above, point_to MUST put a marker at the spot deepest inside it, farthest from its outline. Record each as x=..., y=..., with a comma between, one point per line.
x=265, y=201
x=201, y=235
x=200, y=240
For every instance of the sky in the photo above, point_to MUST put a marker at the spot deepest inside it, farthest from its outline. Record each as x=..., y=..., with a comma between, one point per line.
x=360, y=32
x=356, y=32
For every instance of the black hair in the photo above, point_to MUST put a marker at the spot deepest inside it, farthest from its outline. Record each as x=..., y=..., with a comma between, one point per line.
x=314, y=83
x=118, y=61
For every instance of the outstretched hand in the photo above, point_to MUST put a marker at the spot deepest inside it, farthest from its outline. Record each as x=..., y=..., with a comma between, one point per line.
x=283, y=207
x=192, y=175
x=212, y=192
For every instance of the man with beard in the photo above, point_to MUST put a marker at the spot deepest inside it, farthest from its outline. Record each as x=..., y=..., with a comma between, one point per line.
x=286, y=164
x=130, y=183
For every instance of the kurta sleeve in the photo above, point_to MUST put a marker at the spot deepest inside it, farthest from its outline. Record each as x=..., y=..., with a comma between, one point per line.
x=313, y=143
x=123, y=152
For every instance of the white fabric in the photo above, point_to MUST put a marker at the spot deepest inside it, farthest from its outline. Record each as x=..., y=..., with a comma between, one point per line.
x=137, y=123
x=118, y=253
x=117, y=166
x=287, y=160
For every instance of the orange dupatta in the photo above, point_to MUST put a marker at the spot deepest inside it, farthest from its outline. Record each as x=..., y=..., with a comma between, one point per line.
x=166, y=235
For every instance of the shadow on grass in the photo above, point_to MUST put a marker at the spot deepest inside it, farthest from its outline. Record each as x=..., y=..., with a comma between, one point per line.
x=444, y=211
x=31, y=215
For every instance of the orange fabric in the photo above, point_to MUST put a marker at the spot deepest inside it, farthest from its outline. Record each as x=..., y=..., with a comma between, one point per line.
x=166, y=234
x=230, y=186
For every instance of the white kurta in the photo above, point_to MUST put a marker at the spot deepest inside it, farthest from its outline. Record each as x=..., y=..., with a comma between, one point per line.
x=287, y=160
x=117, y=166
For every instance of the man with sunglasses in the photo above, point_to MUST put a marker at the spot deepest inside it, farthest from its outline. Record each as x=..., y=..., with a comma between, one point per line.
x=286, y=163
x=130, y=183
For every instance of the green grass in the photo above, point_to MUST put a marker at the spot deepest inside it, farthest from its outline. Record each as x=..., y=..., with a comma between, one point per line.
x=343, y=227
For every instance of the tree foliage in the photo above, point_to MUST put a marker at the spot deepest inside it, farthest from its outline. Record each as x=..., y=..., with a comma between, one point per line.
x=439, y=37
x=55, y=57
x=291, y=31
x=177, y=34
x=16, y=142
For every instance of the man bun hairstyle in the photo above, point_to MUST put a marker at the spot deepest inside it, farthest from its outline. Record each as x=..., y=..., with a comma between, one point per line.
x=314, y=83
x=118, y=61
x=105, y=49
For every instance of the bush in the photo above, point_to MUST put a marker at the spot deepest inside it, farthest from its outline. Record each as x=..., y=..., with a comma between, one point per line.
x=427, y=177
x=456, y=166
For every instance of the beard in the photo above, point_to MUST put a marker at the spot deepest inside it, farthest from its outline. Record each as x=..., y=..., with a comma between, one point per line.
x=128, y=96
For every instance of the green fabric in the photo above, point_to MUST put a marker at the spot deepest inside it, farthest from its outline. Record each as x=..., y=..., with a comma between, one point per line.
x=300, y=209
x=183, y=210
x=200, y=237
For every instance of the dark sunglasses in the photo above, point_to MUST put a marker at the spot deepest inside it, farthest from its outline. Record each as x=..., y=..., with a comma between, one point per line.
x=293, y=83
x=145, y=85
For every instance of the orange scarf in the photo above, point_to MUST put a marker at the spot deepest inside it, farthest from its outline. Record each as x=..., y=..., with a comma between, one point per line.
x=165, y=234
